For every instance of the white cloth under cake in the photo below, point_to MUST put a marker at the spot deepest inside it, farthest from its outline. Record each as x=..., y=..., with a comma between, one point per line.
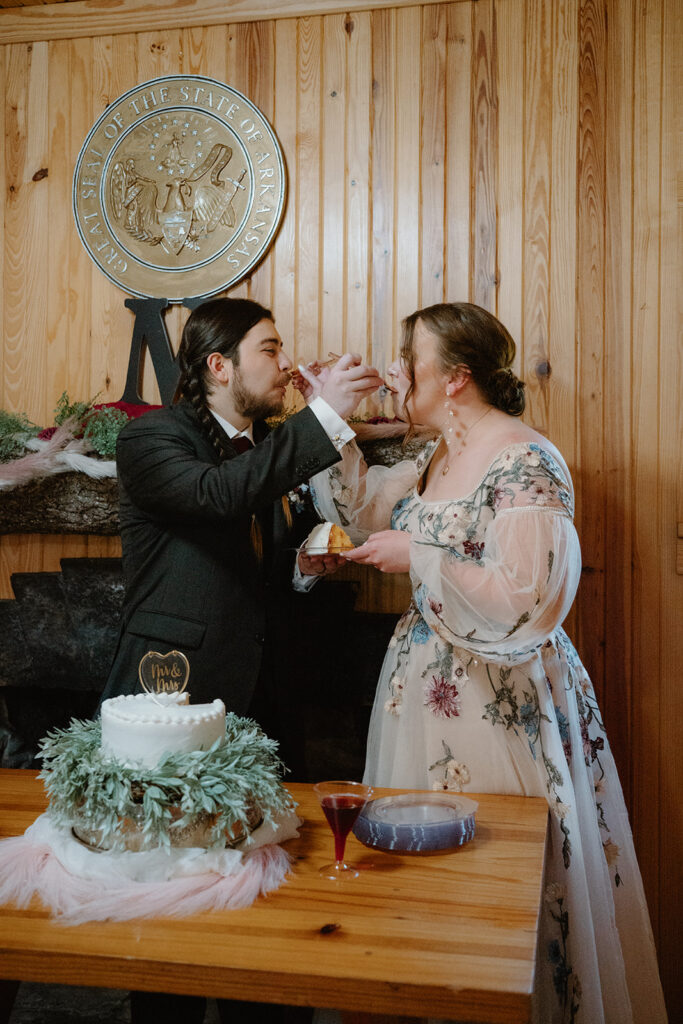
x=77, y=884
x=154, y=865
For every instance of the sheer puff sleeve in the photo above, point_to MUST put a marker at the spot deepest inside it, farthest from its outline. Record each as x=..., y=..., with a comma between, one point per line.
x=501, y=597
x=360, y=497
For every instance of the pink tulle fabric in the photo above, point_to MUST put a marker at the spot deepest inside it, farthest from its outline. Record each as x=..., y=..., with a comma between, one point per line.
x=28, y=869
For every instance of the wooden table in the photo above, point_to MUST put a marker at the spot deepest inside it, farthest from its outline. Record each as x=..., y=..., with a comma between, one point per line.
x=447, y=935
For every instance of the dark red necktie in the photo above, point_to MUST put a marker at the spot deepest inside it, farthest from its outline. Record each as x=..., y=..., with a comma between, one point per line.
x=241, y=444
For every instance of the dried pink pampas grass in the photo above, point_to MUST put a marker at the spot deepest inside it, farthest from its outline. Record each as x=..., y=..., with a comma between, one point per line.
x=63, y=452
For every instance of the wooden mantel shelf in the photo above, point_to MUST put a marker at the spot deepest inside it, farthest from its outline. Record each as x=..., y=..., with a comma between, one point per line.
x=73, y=503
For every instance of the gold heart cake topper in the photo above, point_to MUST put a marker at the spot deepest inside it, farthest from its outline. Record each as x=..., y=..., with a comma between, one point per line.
x=164, y=673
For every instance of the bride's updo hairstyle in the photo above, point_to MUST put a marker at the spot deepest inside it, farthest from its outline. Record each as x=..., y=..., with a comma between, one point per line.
x=469, y=336
x=218, y=325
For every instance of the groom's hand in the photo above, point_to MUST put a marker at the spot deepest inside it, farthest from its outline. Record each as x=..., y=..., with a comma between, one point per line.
x=319, y=565
x=348, y=382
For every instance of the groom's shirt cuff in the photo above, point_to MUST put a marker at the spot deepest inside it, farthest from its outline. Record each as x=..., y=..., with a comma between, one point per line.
x=302, y=583
x=337, y=429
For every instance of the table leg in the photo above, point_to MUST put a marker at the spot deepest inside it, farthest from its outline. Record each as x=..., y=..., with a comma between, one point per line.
x=8, y=993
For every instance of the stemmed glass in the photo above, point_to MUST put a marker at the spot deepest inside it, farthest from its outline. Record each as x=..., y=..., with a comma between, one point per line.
x=341, y=802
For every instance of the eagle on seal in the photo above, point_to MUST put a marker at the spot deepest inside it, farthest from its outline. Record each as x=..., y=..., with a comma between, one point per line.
x=192, y=207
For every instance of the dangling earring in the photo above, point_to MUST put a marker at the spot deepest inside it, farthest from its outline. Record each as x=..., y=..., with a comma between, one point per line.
x=455, y=426
x=451, y=424
x=454, y=435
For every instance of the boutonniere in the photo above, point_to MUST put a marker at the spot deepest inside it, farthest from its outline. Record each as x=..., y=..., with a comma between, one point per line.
x=297, y=497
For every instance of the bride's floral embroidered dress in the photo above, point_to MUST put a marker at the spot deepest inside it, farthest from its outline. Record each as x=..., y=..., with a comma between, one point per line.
x=482, y=690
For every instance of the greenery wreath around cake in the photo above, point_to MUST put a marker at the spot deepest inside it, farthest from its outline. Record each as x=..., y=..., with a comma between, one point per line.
x=223, y=793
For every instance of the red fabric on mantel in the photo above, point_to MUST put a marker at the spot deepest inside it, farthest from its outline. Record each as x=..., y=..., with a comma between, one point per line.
x=129, y=408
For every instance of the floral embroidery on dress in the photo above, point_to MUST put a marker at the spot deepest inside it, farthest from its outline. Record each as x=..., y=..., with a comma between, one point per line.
x=565, y=645
x=563, y=726
x=507, y=710
x=394, y=702
x=394, y=705
x=442, y=698
x=426, y=454
x=566, y=982
x=420, y=632
x=396, y=513
x=530, y=476
x=342, y=495
x=442, y=691
x=456, y=775
x=473, y=549
x=612, y=851
x=593, y=743
x=411, y=628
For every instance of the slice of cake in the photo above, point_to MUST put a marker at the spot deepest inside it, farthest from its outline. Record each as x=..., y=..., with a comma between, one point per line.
x=328, y=539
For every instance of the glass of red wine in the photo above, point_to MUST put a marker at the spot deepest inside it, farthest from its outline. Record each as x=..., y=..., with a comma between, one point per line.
x=341, y=802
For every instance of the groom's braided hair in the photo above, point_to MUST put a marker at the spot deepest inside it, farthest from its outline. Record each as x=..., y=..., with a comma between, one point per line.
x=218, y=325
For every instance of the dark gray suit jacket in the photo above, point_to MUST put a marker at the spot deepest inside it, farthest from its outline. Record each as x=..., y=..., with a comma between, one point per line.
x=193, y=581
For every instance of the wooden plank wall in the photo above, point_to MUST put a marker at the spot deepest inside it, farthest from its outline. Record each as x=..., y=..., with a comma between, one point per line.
x=517, y=153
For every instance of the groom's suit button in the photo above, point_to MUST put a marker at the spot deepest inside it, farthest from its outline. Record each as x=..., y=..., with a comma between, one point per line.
x=259, y=638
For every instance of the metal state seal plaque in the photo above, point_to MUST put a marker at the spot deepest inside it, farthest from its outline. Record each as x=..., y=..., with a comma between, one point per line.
x=179, y=188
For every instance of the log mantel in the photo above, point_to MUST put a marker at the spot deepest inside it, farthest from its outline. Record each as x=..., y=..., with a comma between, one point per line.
x=71, y=503
x=74, y=503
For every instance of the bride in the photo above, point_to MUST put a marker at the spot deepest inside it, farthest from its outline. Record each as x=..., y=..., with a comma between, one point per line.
x=481, y=689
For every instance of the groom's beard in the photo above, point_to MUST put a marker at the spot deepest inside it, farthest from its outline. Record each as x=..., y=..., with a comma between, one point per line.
x=251, y=405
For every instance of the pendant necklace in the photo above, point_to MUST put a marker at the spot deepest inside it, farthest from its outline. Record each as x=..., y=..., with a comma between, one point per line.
x=463, y=439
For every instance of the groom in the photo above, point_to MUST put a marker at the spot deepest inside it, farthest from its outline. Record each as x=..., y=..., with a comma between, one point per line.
x=208, y=534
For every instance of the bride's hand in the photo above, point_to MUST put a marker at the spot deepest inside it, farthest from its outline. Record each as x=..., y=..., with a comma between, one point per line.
x=388, y=551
